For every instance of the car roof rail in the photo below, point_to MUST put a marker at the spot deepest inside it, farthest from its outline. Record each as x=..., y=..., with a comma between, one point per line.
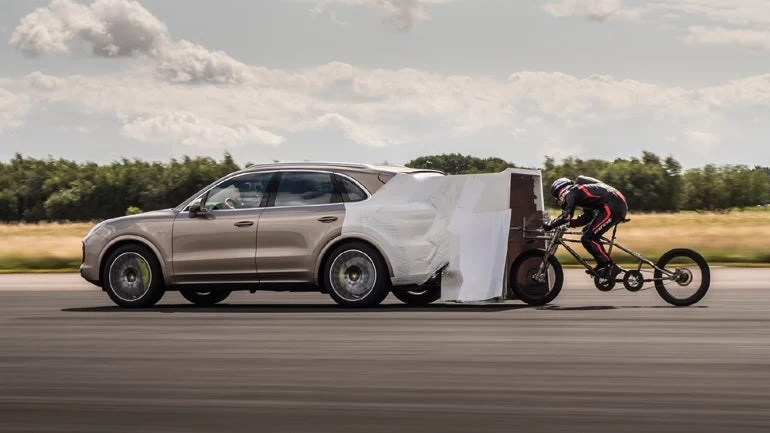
x=322, y=163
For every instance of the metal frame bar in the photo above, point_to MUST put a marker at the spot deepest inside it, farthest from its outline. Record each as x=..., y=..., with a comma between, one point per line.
x=556, y=239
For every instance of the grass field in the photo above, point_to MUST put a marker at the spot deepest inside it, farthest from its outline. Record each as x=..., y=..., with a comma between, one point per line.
x=49, y=246
x=735, y=238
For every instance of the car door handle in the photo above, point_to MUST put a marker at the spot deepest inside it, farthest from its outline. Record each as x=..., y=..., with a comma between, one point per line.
x=328, y=219
x=244, y=224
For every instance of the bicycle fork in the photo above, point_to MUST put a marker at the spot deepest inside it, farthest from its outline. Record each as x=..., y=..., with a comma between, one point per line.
x=542, y=272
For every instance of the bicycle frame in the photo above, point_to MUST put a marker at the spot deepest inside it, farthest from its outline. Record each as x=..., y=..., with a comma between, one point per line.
x=557, y=239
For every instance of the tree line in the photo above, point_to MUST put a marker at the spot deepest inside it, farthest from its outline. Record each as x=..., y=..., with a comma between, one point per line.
x=34, y=190
x=649, y=183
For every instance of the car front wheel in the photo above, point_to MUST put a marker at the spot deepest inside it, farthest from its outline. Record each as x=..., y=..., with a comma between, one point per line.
x=132, y=277
x=355, y=275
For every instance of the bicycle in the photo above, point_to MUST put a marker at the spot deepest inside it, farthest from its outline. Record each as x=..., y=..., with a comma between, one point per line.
x=536, y=276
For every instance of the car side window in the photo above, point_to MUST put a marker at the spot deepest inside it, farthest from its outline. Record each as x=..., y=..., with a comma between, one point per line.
x=242, y=192
x=306, y=188
x=350, y=191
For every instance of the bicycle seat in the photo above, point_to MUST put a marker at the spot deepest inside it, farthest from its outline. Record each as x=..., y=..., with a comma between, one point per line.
x=625, y=220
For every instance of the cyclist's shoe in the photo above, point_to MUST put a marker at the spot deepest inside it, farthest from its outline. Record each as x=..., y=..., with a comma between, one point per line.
x=608, y=272
x=612, y=271
x=597, y=270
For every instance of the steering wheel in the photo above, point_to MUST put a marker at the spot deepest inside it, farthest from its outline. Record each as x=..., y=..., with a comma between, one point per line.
x=231, y=203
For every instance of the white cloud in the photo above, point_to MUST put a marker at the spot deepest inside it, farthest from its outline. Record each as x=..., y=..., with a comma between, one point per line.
x=738, y=23
x=597, y=10
x=189, y=129
x=41, y=81
x=43, y=32
x=122, y=28
x=402, y=13
x=187, y=62
x=391, y=108
x=368, y=136
x=735, y=12
x=319, y=9
x=13, y=109
x=112, y=27
x=753, y=39
x=371, y=107
x=85, y=129
x=338, y=21
x=518, y=132
x=701, y=137
x=749, y=91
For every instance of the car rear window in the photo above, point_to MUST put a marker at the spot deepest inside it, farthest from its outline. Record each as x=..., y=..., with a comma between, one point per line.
x=350, y=191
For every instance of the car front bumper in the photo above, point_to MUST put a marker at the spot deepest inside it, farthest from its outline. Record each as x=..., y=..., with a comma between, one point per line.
x=89, y=266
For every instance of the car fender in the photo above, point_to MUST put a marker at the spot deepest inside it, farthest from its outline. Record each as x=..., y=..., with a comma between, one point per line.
x=141, y=240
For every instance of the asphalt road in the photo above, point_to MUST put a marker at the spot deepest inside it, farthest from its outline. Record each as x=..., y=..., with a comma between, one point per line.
x=592, y=362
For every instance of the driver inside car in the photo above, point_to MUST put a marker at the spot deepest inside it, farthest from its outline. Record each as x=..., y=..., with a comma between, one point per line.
x=226, y=198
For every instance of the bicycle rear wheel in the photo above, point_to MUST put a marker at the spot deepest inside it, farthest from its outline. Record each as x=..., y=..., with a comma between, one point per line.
x=690, y=280
x=528, y=285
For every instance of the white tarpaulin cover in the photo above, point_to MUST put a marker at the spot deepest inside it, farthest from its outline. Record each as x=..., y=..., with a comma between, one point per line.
x=425, y=222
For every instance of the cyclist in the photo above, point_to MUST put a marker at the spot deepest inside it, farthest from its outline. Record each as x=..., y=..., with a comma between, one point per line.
x=603, y=208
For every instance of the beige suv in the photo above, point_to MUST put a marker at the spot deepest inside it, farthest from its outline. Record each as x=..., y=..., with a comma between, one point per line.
x=267, y=227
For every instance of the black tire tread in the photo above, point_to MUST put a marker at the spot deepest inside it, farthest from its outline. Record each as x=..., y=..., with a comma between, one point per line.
x=520, y=293
x=705, y=274
x=208, y=299
x=426, y=297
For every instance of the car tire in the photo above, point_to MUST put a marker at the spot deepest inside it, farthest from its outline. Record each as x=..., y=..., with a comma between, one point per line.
x=355, y=275
x=132, y=277
x=420, y=296
x=204, y=298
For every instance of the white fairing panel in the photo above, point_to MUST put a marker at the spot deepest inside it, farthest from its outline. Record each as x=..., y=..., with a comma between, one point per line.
x=425, y=222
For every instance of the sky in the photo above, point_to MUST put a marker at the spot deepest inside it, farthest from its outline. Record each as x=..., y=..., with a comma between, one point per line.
x=386, y=80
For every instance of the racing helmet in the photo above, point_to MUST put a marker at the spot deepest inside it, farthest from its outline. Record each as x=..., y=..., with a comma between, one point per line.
x=560, y=185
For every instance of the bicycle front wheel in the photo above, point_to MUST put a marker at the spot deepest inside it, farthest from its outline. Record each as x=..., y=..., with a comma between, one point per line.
x=530, y=284
x=689, y=278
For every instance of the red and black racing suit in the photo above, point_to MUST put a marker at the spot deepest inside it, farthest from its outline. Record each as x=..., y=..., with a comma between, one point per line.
x=603, y=207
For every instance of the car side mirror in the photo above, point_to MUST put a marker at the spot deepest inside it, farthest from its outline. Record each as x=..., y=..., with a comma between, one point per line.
x=195, y=209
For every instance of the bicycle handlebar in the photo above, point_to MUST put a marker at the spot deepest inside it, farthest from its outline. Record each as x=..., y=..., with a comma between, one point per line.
x=540, y=233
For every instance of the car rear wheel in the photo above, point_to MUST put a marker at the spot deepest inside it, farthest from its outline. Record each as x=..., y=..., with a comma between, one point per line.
x=355, y=275
x=204, y=298
x=132, y=277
